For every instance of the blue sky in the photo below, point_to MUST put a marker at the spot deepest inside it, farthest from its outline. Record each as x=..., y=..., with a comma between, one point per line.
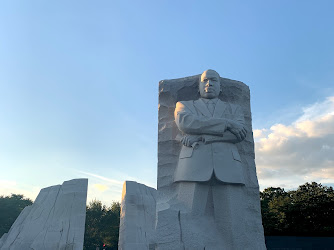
x=79, y=86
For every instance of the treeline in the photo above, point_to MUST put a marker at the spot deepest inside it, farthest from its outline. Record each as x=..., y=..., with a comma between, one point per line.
x=10, y=207
x=102, y=224
x=307, y=211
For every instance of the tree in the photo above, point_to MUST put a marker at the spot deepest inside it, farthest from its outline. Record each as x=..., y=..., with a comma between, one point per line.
x=272, y=218
x=102, y=225
x=311, y=212
x=307, y=211
x=10, y=208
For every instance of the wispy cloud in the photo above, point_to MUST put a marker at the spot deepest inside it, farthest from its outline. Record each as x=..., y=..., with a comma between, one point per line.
x=111, y=181
x=102, y=188
x=318, y=109
x=289, y=155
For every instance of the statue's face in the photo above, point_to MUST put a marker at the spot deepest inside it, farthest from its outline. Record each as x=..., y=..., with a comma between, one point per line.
x=209, y=86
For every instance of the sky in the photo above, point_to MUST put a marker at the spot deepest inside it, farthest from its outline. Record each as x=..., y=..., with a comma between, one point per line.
x=79, y=86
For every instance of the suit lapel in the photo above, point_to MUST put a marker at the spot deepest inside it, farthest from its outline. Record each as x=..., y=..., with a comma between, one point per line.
x=220, y=109
x=201, y=106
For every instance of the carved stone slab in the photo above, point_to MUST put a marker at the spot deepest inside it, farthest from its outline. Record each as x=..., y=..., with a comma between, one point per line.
x=56, y=220
x=176, y=231
x=137, y=222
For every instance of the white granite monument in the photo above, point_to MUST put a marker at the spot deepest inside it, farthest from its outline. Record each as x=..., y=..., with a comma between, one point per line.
x=208, y=193
x=55, y=221
x=137, y=222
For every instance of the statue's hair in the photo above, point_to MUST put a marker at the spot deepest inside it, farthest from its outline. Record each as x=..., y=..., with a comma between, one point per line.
x=207, y=71
x=211, y=71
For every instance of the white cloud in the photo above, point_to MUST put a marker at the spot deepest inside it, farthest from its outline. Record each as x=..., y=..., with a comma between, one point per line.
x=290, y=155
x=259, y=133
x=8, y=187
x=318, y=109
x=100, y=187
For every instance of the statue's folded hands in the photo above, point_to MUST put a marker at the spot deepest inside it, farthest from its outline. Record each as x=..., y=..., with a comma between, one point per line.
x=238, y=130
x=190, y=140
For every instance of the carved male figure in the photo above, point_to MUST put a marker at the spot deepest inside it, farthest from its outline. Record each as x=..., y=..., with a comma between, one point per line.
x=210, y=167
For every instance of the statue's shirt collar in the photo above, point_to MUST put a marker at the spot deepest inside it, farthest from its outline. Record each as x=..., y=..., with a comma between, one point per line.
x=214, y=100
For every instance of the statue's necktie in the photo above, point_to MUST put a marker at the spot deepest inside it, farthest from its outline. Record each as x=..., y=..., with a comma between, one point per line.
x=211, y=106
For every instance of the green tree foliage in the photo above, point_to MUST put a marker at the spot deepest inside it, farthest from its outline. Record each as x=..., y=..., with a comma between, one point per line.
x=10, y=208
x=102, y=225
x=270, y=215
x=307, y=211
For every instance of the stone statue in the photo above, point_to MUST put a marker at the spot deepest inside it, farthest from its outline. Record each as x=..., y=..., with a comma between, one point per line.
x=211, y=128
x=207, y=193
x=209, y=169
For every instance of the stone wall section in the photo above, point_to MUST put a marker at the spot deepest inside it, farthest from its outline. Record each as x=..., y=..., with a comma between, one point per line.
x=56, y=220
x=137, y=220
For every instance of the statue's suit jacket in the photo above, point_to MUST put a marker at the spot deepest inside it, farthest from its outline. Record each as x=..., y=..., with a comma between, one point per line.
x=216, y=152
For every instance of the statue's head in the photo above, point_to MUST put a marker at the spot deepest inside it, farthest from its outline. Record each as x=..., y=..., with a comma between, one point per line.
x=209, y=84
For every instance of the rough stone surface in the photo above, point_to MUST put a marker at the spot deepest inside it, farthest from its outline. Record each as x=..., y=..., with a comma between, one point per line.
x=137, y=220
x=175, y=227
x=56, y=220
x=3, y=238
